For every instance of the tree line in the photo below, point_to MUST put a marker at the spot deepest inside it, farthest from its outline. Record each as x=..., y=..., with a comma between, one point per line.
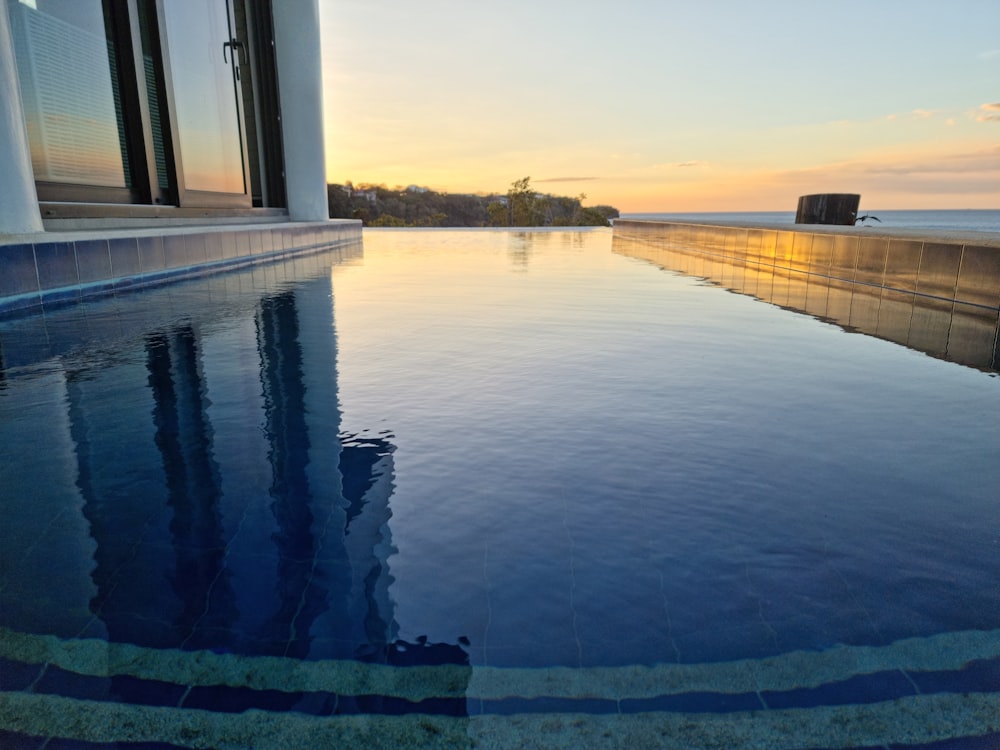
x=520, y=206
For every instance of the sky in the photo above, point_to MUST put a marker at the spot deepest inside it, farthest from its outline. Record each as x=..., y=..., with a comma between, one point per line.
x=669, y=105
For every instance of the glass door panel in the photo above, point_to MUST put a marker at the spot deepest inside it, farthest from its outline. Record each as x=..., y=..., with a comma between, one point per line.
x=71, y=92
x=199, y=57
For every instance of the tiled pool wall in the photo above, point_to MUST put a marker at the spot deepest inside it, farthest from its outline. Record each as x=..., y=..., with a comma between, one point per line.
x=929, y=293
x=61, y=269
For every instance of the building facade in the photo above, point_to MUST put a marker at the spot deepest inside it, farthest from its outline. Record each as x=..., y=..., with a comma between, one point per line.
x=128, y=119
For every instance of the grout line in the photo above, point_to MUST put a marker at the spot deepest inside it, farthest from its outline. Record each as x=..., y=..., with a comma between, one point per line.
x=760, y=609
x=572, y=578
x=489, y=604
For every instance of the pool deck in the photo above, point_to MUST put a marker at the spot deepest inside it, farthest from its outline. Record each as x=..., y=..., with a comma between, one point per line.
x=62, y=267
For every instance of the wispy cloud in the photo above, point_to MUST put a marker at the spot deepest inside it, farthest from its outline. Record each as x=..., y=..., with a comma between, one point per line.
x=567, y=179
x=677, y=165
x=990, y=54
x=967, y=172
x=989, y=112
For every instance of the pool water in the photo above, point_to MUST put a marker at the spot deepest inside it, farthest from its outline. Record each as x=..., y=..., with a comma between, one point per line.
x=490, y=489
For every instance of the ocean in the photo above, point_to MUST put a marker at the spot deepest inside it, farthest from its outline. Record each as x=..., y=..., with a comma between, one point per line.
x=977, y=220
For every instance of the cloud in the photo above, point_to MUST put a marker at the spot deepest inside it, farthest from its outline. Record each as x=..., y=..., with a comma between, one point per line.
x=923, y=114
x=989, y=112
x=969, y=173
x=989, y=54
x=567, y=179
x=965, y=163
x=677, y=165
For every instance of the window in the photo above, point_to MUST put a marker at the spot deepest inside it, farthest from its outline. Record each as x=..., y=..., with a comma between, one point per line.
x=157, y=102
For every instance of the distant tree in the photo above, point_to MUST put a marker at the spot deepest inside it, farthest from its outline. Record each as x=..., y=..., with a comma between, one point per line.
x=497, y=212
x=523, y=207
x=387, y=220
x=591, y=217
x=432, y=220
x=608, y=212
x=339, y=201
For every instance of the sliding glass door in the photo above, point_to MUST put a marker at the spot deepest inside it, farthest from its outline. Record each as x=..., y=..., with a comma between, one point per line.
x=204, y=60
x=142, y=101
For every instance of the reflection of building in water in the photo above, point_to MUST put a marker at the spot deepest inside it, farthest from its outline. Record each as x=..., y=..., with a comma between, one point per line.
x=924, y=295
x=285, y=554
x=195, y=491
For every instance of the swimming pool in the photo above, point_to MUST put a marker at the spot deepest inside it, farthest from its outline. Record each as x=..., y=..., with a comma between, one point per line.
x=490, y=489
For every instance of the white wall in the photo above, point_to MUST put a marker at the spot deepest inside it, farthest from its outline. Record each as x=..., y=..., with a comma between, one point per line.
x=19, y=212
x=298, y=51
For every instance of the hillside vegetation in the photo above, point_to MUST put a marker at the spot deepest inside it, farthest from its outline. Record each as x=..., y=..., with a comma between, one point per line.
x=520, y=206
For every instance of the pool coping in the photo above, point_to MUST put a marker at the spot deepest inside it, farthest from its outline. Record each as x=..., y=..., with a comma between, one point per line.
x=59, y=268
x=961, y=268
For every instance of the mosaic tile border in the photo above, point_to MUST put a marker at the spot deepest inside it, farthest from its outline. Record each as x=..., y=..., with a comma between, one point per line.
x=919, y=691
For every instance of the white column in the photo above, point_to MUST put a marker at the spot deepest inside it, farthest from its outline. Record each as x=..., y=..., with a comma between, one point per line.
x=19, y=212
x=298, y=52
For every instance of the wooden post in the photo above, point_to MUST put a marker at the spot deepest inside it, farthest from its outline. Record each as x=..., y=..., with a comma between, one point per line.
x=828, y=208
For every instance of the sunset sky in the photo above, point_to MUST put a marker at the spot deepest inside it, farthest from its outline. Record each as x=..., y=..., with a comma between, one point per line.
x=715, y=105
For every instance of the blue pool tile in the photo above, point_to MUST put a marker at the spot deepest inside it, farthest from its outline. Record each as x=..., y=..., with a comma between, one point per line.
x=56, y=262
x=753, y=641
x=985, y=742
x=124, y=253
x=19, y=275
x=225, y=699
x=266, y=243
x=870, y=688
x=120, y=689
x=694, y=703
x=147, y=692
x=175, y=251
x=15, y=675
x=93, y=260
x=228, y=242
x=389, y=706
x=213, y=246
x=151, y=254
x=71, y=685
x=141, y=630
x=256, y=245
x=17, y=741
x=57, y=743
x=977, y=676
x=511, y=706
x=196, y=252
x=242, y=240
x=278, y=240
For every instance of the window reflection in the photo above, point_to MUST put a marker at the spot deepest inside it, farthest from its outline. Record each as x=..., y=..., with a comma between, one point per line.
x=70, y=91
x=204, y=95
